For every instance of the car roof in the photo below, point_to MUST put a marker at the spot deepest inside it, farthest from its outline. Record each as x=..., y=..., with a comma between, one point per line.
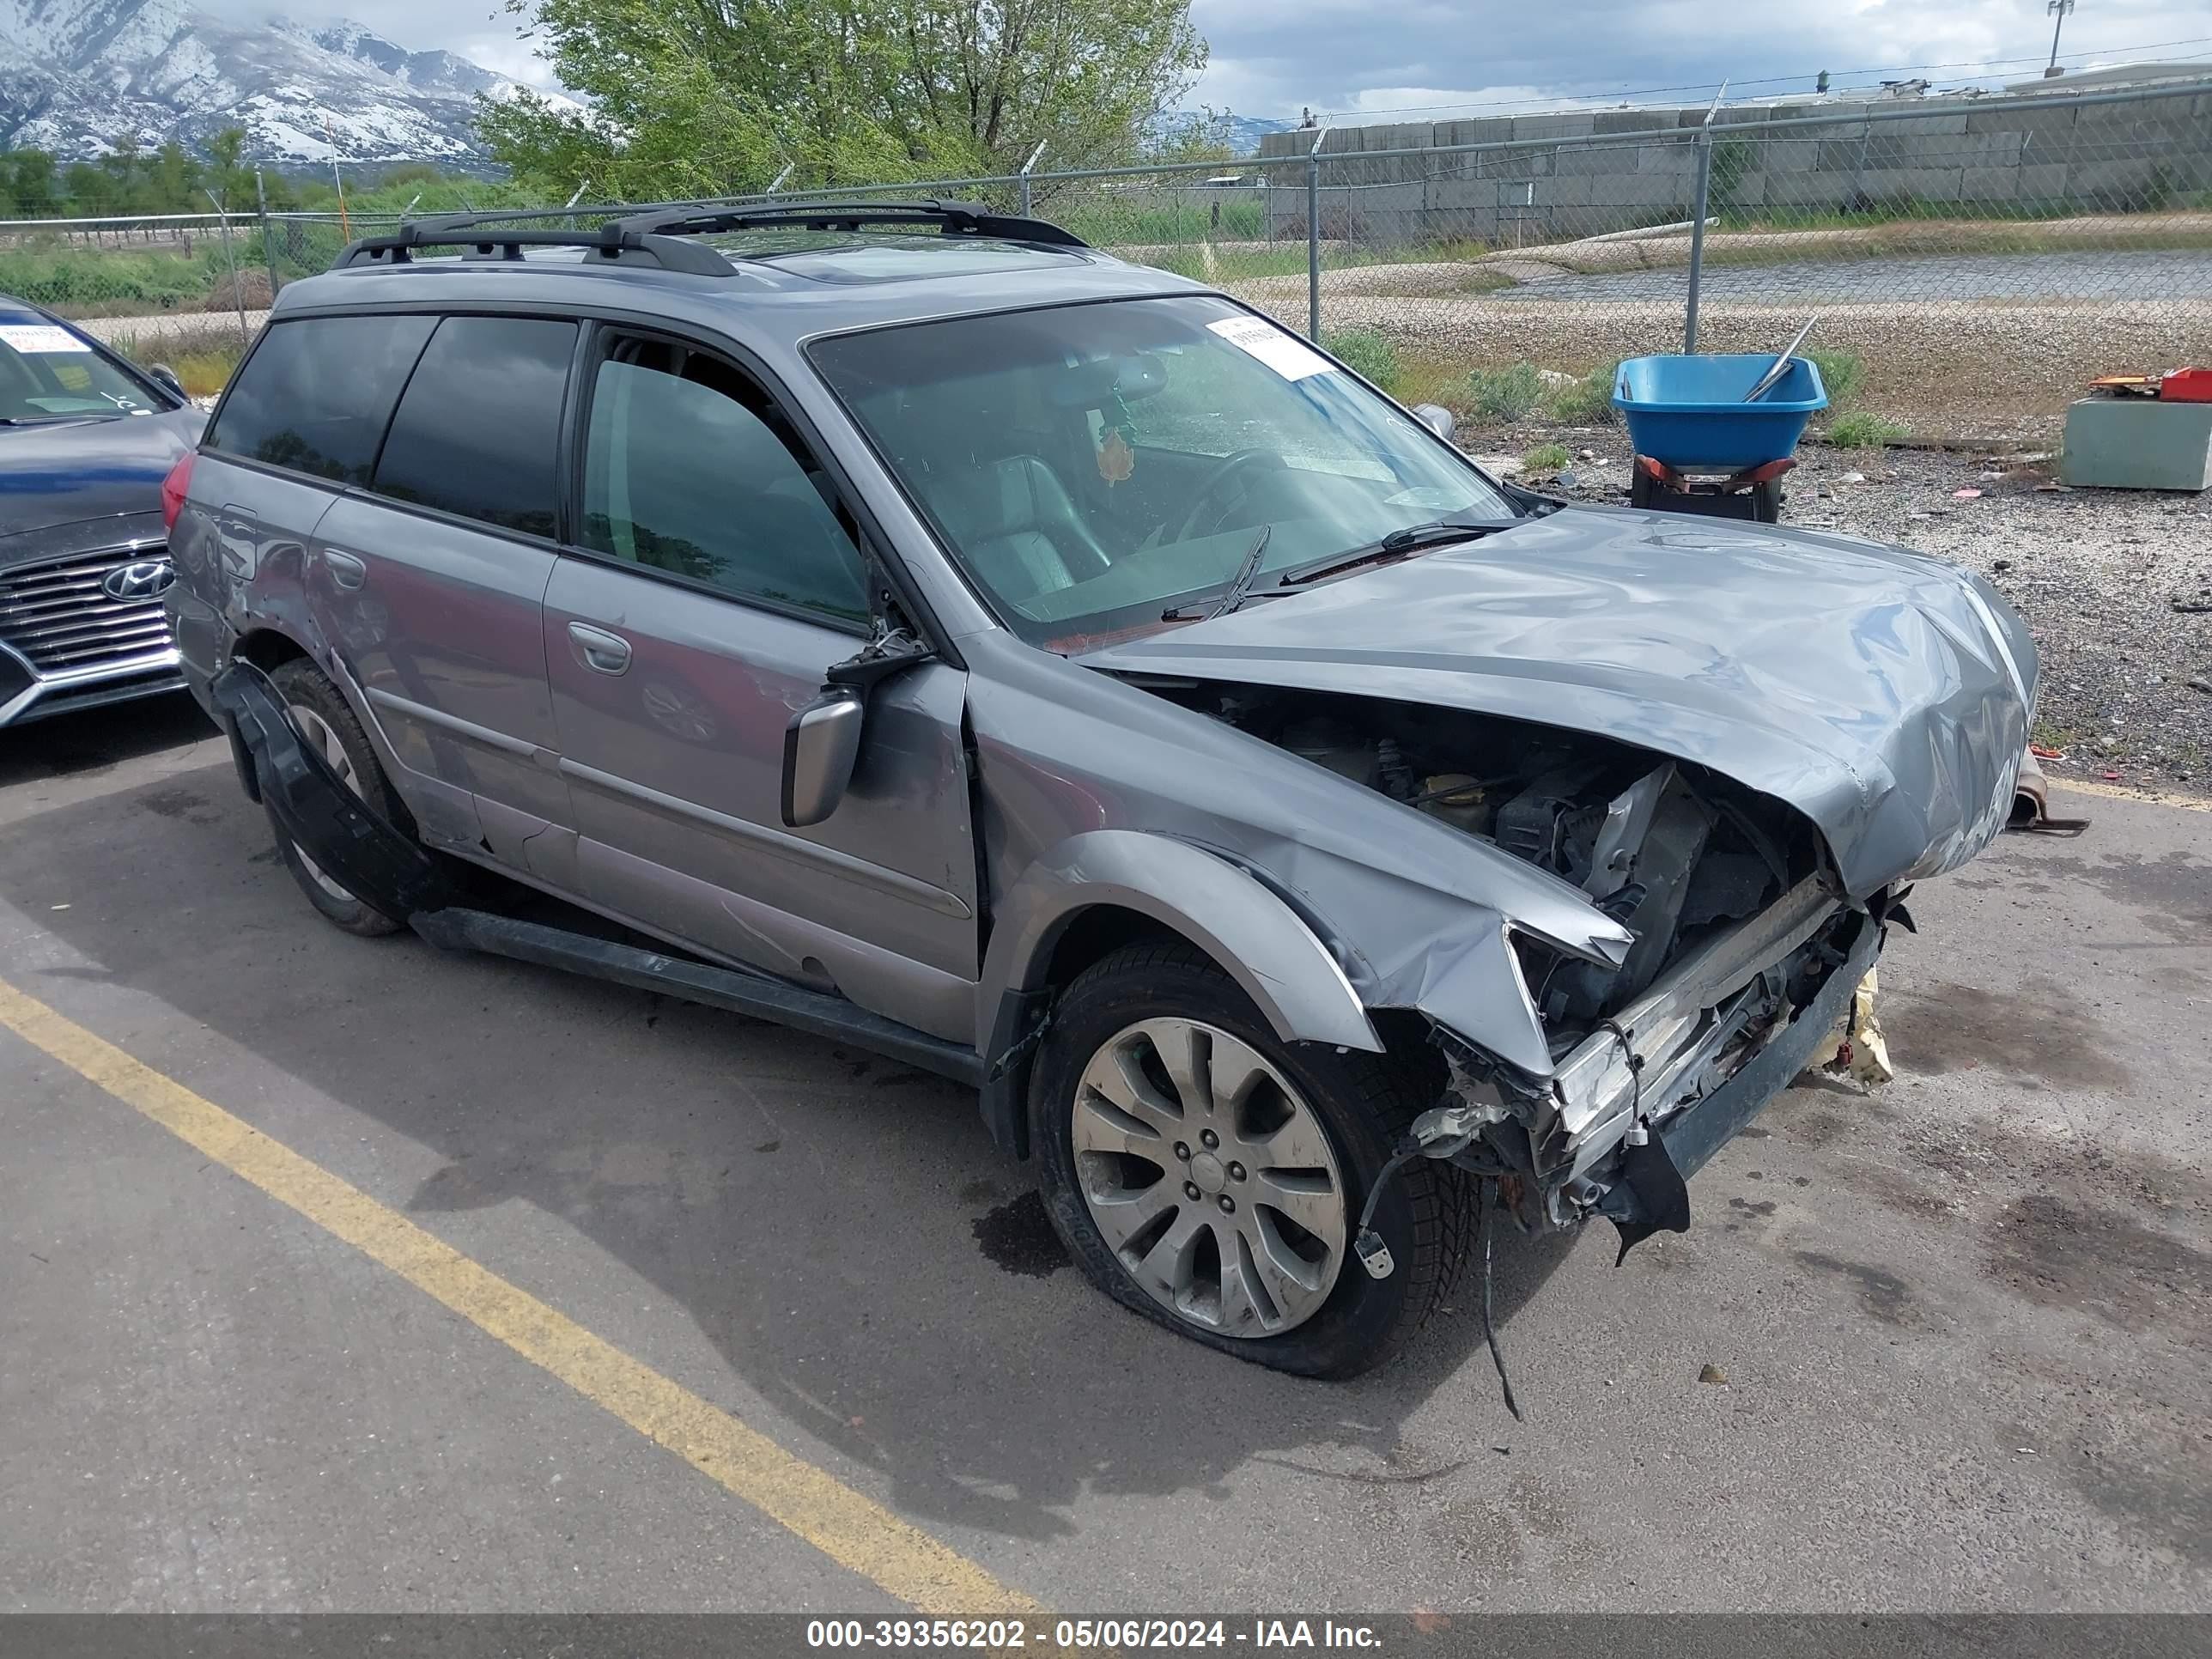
x=783, y=288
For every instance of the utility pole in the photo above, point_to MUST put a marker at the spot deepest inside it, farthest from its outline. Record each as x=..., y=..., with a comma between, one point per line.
x=2057, y=9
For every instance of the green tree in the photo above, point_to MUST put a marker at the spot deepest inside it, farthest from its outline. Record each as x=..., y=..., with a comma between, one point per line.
x=90, y=189
x=28, y=183
x=173, y=182
x=231, y=181
x=698, y=97
x=123, y=167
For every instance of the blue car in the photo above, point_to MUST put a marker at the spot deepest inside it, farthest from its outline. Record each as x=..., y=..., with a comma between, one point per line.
x=85, y=441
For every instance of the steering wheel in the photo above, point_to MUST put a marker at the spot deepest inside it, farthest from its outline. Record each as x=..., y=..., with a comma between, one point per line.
x=1244, y=461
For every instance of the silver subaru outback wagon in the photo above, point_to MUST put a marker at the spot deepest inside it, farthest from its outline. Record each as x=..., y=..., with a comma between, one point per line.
x=914, y=626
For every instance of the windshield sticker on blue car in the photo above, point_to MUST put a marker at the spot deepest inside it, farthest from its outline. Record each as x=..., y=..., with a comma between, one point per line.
x=40, y=338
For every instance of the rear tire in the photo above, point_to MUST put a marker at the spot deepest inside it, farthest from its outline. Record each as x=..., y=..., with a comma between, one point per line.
x=1324, y=1316
x=325, y=721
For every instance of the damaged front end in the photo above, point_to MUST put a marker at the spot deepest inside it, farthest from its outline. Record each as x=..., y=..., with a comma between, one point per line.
x=1735, y=952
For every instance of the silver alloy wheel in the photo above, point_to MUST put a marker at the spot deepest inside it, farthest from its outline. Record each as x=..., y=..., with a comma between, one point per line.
x=315, y=730
x=1209, y=1177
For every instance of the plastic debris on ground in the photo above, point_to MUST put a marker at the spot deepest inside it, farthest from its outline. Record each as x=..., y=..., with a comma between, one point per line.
x=1856, y=1048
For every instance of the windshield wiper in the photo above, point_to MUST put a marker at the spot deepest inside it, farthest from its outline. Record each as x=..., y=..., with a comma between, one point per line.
x=1399, y=543
x=49, y=420
x=1239, y=588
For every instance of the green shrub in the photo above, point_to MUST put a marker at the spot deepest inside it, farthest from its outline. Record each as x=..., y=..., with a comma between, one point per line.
x=1546, y=460
x=90, y=281
x=1864, y=431
x=1367, y=353
x=1504, y=394
x=1843, y=374
x=1588, y=402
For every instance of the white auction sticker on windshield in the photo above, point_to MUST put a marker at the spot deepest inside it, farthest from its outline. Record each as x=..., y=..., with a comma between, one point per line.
x=40, y=338
x=1287, y=354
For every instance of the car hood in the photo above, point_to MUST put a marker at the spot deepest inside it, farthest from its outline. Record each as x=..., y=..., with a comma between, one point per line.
x=1884, y=694
x=56, y=475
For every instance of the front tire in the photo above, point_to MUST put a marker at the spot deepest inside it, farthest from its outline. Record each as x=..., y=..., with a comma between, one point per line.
x=325, y=722
x=1210, y=1177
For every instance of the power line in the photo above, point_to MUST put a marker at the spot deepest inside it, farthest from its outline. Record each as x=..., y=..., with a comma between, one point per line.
x=1761, y=81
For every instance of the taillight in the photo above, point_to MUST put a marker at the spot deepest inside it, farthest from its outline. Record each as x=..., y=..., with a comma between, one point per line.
x=174, y=487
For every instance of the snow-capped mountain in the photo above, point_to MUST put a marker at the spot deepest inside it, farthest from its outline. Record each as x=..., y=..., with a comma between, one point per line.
x=76, y=75
x=1241, y=133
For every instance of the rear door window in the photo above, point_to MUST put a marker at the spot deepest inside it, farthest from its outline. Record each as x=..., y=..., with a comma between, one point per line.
x=478, y=429
x=316, y=394
x=690, y=468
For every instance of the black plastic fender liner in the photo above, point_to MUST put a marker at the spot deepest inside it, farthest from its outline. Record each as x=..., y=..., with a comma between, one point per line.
x=378, y=863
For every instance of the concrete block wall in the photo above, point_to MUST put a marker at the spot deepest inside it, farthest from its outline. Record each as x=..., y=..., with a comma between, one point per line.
x=1953, y=155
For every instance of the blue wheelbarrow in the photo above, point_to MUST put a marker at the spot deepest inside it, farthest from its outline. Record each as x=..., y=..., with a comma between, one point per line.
x=1700, y=447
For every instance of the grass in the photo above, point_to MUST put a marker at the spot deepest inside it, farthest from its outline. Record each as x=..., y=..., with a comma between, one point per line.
x=1546, y=460
x=1367, y=352
x=1504, y=394
x=204, y=372
x=1588, y=402
x=1426, y=379
x=204, y=368
x=1861, y=430
x=79, y=281
x=1108, y=218
x=1843, y=374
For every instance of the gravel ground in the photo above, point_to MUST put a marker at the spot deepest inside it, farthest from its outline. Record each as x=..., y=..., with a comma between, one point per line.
x=2102, y=576
x=1984, y=371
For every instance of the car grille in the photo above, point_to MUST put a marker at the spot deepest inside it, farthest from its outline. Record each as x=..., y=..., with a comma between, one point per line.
x=57, y=615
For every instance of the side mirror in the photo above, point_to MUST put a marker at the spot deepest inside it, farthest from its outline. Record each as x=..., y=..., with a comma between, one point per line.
x=820, y=747
x=166, y=377
x=1438, y=419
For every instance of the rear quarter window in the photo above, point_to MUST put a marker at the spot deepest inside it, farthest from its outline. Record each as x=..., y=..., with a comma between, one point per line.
x=478, y=429
x=317, y=393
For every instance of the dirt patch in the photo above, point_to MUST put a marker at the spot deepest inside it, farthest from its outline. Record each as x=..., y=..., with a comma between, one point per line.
x=1881, y=1293
x=2043, y=1032
x=1018, y=1236
x=176, y=804
x=2105, y=1263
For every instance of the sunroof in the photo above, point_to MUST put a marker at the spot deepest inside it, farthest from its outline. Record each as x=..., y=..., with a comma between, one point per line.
x=840, y=256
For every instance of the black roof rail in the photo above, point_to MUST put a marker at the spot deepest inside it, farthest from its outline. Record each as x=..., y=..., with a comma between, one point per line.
x=622, y=241
x=952, y=218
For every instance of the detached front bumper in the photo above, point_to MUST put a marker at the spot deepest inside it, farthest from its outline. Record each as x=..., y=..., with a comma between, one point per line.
x=1680, y=1069
x=1693, y=1135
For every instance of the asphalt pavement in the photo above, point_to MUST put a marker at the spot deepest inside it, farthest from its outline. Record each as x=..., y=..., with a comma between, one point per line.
x=778, y=1329
x=2081, y=274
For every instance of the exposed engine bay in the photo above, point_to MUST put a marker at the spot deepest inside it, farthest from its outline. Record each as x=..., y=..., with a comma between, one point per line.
x=1737, y=921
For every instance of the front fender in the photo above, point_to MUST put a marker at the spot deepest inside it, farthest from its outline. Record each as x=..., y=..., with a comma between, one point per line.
x=1260, y=941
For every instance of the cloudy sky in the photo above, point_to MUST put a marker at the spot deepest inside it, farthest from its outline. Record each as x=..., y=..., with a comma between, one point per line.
x=1358, y=58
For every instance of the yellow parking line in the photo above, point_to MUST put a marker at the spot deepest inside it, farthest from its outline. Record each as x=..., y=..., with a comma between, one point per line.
x=2117, y=791
x=850, y=1528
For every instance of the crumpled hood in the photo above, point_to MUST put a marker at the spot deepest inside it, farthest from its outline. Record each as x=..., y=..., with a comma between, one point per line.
x=1884, y=694
x=60, y=474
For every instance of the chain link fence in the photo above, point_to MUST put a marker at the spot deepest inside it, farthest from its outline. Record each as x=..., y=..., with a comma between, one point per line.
x=1971, y=259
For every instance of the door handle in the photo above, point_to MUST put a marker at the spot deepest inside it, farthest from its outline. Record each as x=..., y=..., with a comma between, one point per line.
x=599, y=650
x=346, y=571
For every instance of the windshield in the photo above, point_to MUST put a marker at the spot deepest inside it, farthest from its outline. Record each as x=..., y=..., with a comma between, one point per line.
x=47, y=373
x=1093, y=466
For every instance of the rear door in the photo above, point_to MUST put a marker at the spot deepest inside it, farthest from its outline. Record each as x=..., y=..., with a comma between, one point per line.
x=429, y=586
x=714, y=575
